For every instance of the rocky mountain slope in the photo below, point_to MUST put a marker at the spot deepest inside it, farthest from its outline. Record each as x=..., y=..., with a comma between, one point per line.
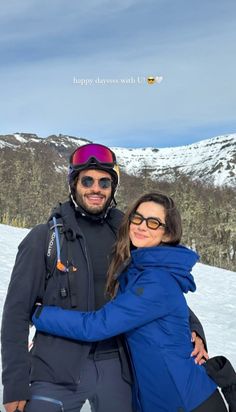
x=210, y=161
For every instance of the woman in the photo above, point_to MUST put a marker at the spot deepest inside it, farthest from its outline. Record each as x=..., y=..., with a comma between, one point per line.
x=148, y=275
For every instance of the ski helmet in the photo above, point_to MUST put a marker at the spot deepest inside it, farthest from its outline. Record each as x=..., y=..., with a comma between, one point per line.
x=93, y=156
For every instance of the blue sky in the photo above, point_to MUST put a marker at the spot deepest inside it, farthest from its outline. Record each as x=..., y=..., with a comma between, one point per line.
x=48, y=49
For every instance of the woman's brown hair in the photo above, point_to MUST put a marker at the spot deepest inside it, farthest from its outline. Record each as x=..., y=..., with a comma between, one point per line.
x=122, y=247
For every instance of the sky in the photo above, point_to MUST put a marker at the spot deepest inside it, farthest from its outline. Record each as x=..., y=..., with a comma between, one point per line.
x=80, y=68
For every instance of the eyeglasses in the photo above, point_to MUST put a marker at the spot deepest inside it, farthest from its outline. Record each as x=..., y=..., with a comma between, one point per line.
x=100, y=153
x=103, y=182
x=151, y=222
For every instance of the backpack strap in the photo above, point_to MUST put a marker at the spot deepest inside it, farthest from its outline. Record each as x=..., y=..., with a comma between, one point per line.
x=51, y=254
x=57, y=235
x=72, y=280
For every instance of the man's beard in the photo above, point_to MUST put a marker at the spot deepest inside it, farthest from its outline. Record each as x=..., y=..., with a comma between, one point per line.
x=92, y=209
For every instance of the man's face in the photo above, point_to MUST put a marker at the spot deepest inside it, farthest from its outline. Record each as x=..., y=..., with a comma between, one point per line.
x=94, y=198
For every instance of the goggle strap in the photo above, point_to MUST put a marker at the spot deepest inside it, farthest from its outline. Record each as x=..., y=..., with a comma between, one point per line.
x=90, y=161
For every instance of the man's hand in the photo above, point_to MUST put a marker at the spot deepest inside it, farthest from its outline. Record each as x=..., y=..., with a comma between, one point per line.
x=15, y=406
x=199, y=351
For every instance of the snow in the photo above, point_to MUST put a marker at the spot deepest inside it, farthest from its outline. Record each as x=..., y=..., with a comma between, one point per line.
x=5, y=144
x=34, y=140
x=207, y=159
x=79, y=141
x=60, y=169
x=214, y=302
x=66, y=141
x=20, y=138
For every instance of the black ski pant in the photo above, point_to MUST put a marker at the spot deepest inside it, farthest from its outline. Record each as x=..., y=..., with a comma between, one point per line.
x=100, y=383
x=213, y=404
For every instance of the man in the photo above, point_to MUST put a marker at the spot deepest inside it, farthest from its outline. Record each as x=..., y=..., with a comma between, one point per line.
x=60, y=374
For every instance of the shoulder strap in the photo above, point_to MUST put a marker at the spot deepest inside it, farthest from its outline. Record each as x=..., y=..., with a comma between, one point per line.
x=56, y=237
x=51, y=253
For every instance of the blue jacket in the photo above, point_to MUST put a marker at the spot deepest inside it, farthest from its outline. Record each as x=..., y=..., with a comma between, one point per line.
x=151, y=310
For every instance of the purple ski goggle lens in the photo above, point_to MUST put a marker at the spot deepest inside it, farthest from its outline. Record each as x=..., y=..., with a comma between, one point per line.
x=101, y=153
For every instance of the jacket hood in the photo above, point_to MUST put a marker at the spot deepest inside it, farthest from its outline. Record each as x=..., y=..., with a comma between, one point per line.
x=176, y=260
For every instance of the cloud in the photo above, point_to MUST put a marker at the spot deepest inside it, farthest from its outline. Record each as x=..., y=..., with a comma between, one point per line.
x=33, y=31
x=45, y=45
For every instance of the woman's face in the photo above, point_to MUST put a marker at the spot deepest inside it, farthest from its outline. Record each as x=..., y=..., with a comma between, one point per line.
x=143, y=236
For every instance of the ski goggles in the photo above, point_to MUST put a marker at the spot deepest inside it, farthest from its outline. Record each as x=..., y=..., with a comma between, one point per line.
x=151, y=222
x=103, y=182
x=85, y=154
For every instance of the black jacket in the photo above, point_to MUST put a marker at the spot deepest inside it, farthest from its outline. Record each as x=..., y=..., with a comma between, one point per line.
x=52, y=359
x=222, y=372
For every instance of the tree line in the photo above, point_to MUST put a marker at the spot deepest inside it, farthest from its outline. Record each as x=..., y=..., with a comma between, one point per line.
x=29, y=191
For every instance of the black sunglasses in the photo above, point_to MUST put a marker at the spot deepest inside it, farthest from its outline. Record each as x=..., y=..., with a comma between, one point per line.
x=103, y=182
x=151, y=222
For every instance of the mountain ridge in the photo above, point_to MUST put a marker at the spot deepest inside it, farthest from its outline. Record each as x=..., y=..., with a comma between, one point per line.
x=212, y=161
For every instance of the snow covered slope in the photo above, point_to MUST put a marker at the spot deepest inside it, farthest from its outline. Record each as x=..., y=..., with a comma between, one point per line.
x=212, y=160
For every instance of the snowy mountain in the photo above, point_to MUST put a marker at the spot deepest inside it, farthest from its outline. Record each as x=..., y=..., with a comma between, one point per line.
x=211, y=161
x=214, y=302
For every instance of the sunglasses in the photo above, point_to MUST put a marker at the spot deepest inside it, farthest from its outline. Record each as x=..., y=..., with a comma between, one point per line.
x=151, y=222
x=100, y=153
x=103, y=182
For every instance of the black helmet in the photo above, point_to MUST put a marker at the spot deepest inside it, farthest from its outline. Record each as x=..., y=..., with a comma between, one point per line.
x=93, y=156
